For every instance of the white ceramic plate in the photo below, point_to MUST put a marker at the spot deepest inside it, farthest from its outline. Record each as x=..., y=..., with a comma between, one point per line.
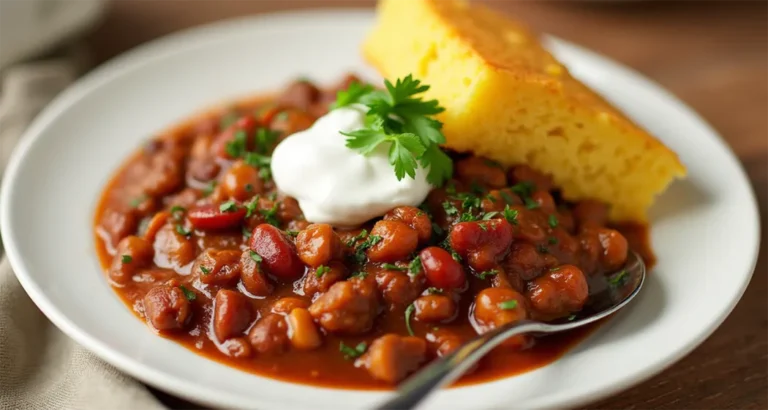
x=705, y=229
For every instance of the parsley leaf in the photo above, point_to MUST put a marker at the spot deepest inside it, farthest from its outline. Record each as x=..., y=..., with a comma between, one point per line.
x=618, y=279
x=392, y=266
x=190, y=295
x=352, y=352
x=135, y=202
x=362, y=235
x=408, y=313
x=553, y=221
x=256, y=257
x=414, y=268
x=182, y=230
x=510, y=215
x=126, y=258
x=404, y=120
x=204, y=270
x=360, y=254
x=508, y=304
x=322, y=270
x=270, y=215
x=229, y=206
x=486, y=274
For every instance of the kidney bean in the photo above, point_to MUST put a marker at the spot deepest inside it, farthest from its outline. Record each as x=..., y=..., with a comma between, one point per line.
x=269, y=335
x=482, y=243
x=441, y=269
x=391, y=357
x=231, y=314
x=414, y=217
x=172, y=249
x=318, y=244
x=166, y=308
x=524, y=173
x=398, y=241
x=285, y=305
x=333, y=272
x=434, y=308
x=241, y=182
x=132, y=254
x=398, y=289
x=481, y=171
x=212, y=217
x=495, y=307
x=302, y=331
x=349, y=307
x=559, y=292
x=218, y=267
x=277, y=251
x=252, y=277
x=615, y=249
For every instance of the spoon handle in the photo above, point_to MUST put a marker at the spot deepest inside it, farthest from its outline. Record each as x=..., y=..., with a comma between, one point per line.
x=453, y=365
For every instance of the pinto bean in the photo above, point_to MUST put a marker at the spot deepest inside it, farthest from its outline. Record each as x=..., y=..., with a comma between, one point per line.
x=232, y=314
x=398, y=241
x=414, y=217
x=391, y=357
x=166, y=308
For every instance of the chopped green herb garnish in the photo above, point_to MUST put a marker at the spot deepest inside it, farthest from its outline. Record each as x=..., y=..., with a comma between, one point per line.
x=372, y=240
x=229, y=206
x=490, y=215
x=257, y=160
x=361, y=274
x=265, y=138
x=362, y=235
x=392, y=266
x=552, y=240
x=248, y=187
x=182, y=230
x=408, y=312
x=530, y=203
x=281, y=116
x=507, y=197
x=455, y=255
x=571, y=318
x=397, y=116
x=246, y=232
x=135, y=202
x=256, y=257
x=352, y=352
x=251, y=206
x=437, y=229
x=508, y=304
x=618, y=279
x=555, y=269
x=265, y=173
x=524, y=188
x=434, y=291
x=190, y=295
x=486, y=274
x=466, y=217
x=322, y=270
x=354, y=92
x=292, y=233
x=270, y=215
x=177, y=212
x=553, y=221
x=208, y=190
x=204, y=270
x=450, y=208
x=272, y=196
x=483, y=226
x=126, y=258
x=414, y=268
x=542, y=249
x=510, y=215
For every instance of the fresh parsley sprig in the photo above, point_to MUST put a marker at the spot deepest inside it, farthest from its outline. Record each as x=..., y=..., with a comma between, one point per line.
x=396, y=115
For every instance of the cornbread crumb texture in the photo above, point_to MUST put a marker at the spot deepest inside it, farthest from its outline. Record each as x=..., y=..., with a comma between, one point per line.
x=508, y=99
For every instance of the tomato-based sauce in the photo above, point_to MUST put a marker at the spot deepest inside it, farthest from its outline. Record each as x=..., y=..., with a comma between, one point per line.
x=198, y=242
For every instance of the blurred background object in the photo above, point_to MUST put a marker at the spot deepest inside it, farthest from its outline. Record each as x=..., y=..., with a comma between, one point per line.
x=712, y=54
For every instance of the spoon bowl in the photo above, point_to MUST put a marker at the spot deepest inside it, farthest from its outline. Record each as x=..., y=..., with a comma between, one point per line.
x=622, y=287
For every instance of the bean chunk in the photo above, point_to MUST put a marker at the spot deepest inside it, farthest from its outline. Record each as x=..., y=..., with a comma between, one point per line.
x=277, y=252
x=318, y=244
x=391, y=357
x=166, y=308
x=559, y=292
x=434, y=308
x=269, y=335
x=252, y=277
x=398, y=240
x=232, y=314
x=495, y=307
x=302, y=330
x=132, y=254
x=482, y=243
x=349, y=307
x=219, y=268
x=413, y=217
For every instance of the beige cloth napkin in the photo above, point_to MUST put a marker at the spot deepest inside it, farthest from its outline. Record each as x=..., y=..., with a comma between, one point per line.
x=40, y=367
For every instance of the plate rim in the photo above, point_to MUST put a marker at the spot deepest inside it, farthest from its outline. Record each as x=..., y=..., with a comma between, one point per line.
x=157, y=49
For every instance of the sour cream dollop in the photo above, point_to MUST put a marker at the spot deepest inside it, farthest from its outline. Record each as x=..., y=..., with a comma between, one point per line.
x=336, y=185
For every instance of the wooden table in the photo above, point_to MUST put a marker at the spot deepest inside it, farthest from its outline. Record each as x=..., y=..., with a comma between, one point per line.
x=712, y=55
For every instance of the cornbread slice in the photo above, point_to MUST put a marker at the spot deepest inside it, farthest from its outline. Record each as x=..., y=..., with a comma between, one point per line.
x=508, y=99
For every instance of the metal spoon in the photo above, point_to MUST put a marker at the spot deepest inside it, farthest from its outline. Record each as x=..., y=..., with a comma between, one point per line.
x=623, y=286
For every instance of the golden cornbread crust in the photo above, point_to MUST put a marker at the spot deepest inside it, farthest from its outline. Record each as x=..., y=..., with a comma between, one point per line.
x=508, y=99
